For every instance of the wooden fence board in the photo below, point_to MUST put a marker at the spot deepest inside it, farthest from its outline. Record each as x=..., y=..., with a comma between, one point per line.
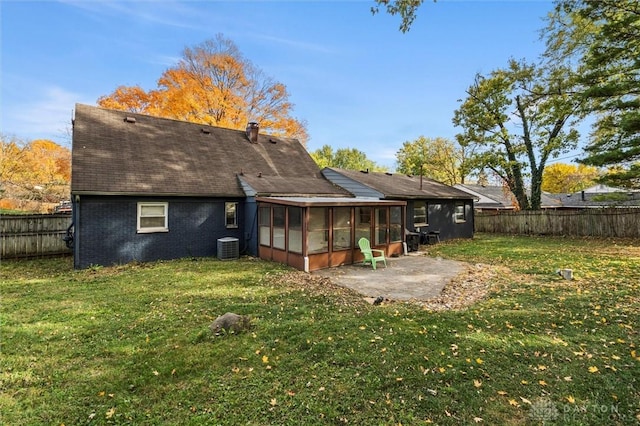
x=33, y=235
x=610, y=222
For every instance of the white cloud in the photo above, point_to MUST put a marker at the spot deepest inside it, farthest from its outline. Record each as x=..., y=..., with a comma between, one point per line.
x=48, y=117
x=166, y=13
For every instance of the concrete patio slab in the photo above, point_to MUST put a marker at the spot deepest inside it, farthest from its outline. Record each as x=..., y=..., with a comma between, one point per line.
x=415, y=276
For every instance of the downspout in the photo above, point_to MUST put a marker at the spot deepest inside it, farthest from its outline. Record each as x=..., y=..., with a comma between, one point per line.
x=75, y=215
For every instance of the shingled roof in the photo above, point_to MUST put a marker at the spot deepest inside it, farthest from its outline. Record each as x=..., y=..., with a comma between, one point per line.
x=396, y=185
x=118, y=152
x=499, y=197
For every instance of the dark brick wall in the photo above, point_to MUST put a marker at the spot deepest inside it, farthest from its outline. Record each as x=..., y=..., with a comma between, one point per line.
x=105, y=230
x=440, y=215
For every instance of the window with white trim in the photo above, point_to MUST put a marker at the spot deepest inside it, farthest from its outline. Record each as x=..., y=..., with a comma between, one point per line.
x=420, y=214
x=231, y=215
x=460, y=212
x=153, y=217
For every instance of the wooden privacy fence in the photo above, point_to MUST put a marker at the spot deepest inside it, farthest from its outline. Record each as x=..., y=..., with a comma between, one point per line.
x=33, y=235
x=606, y=222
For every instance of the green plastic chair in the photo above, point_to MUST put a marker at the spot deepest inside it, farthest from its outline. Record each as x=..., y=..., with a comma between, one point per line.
x=371, y=255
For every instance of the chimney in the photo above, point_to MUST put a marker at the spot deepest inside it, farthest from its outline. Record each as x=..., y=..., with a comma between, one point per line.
x=252, y=132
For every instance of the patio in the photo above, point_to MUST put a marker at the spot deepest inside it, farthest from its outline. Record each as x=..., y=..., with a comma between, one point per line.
x=415, y=276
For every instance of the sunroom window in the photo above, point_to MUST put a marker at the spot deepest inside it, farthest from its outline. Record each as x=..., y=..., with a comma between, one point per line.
x=318, y=241
x=341, y=228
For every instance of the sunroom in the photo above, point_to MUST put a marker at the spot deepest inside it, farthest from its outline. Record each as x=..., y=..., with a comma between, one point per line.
x=316, y=233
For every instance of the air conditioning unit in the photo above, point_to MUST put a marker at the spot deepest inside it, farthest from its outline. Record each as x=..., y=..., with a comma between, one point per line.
x=228, y=248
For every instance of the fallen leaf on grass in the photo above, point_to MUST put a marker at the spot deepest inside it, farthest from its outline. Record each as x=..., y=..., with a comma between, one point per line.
x=593, y=369
x=466, y=288
x=109, y=414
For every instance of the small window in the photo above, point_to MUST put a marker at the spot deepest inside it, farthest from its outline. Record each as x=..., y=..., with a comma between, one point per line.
x=420, y=215
x=153, y=217
x=231, y=214
x=459, y=214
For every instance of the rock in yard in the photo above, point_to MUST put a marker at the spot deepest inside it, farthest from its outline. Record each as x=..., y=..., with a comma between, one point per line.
x=230, y=323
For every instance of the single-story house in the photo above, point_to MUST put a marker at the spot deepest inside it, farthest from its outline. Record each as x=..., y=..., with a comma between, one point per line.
x=147, y=188
x=432, y=207
x=495, y=198
x=599, y=196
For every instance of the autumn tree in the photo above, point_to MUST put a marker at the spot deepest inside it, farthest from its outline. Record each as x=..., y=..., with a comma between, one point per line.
x=568, y=178
x=214, y=84
x=39, y=170
x=345, y=158
x=435, y=158
x=406, y=9
x=601, y=38
x=516, y=119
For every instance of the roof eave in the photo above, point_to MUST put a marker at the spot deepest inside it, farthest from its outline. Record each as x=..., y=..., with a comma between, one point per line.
x=154, y=194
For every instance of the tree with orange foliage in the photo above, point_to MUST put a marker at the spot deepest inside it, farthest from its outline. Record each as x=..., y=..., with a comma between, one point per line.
x=214, y=84
x=38, y=171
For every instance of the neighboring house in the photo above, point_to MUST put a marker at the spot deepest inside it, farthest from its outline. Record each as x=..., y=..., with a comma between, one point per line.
x=431, y=205
x=146, y=188
x=493, y=198
x=599, y=196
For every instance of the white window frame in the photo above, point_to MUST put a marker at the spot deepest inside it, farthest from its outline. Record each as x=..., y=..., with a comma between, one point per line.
x=420, y=206
x=227, y=205
x=462, y=216
x=151, y=229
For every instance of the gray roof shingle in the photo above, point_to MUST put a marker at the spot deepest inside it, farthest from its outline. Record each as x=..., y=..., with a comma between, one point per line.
x=399, y=186
x=158, y=156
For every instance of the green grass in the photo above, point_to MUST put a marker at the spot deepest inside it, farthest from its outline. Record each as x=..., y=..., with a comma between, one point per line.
x=130, y=344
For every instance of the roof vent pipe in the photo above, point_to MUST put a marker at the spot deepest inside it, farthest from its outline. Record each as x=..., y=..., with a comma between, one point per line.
x=252, y=132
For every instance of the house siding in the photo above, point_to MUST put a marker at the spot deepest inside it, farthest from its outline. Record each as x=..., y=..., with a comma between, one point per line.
x=440, y=215
x=106, y=229
x=442, y=218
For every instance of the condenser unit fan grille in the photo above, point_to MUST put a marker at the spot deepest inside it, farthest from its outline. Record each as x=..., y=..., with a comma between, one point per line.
x=228, y=248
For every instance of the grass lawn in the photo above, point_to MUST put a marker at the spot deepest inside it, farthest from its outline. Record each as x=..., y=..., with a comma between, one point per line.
x=131, y=345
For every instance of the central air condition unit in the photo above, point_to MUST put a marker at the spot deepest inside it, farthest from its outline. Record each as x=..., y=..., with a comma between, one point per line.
x=228, y=248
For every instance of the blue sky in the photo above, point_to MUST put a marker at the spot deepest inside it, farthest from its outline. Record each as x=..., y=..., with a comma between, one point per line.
x=353, y=76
